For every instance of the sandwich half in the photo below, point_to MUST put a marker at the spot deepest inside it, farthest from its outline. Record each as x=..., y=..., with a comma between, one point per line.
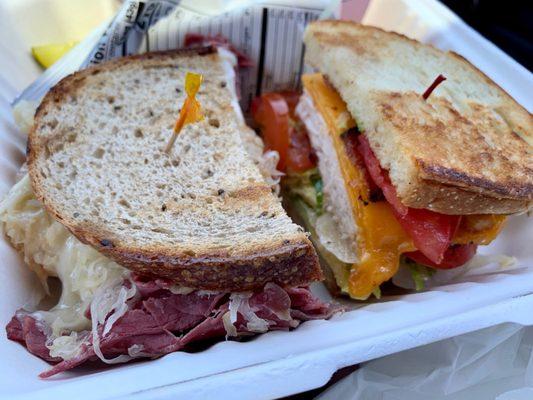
x=411, y=172
x=154, y=250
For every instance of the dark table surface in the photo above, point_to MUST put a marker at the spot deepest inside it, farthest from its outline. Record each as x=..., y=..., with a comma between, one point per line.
x=508, y=24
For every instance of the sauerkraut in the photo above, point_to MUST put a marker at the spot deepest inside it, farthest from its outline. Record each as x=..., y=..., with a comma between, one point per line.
x=87, y=277
x=23, y=113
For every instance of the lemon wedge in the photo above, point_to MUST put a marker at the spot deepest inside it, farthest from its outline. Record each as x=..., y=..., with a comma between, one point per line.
x=48, y=54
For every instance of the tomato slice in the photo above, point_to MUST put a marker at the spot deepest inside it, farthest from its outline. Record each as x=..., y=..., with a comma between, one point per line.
x=274, y=113
x=300, y=156
x=431, y=232
x=292, y=98
x=379, y=176
x=454, y=257
x=271, y=113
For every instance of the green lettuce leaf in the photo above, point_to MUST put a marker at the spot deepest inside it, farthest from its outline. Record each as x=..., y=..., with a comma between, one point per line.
x=307, y=186
x=419, y=273
x=319, y=193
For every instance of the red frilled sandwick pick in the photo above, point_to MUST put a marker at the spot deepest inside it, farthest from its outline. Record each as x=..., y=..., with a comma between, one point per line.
x=438, y=80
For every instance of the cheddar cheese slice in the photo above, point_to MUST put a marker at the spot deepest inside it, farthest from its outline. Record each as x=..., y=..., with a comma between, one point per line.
x=381, y=239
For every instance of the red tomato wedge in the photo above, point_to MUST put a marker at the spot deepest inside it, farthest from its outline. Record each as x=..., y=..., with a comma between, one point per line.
x=379, y=176
x=300, y=156
x=274, y=113
x=271, y=113
x=454, y=257
x=431, y=232
x=292, y=99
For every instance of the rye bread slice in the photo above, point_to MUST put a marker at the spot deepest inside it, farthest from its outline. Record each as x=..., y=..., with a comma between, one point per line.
x=203, y=215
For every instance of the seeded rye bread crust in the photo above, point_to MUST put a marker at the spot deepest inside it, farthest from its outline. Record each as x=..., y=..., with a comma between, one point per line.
x=202, y=216
x=466, y=150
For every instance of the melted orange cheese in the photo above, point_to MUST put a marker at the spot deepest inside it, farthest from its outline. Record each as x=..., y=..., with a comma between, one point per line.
x=479, y=229
x=380, y=239
x=330, y=105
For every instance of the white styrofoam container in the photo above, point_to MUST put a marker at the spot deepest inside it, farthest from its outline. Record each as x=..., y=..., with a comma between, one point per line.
x=283, y=363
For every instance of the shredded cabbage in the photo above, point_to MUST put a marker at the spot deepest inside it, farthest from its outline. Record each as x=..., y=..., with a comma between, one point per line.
x=68, y=346
x=177, y=289
x=111, y=302
x=136, y=350
x=118, y=308
x=23, y=113
x=231, y=331
x=206, y=292
x=235, y=302
x=88, y=278
x=238, y=303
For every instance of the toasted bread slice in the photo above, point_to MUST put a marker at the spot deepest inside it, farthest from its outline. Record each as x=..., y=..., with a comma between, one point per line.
x=467, y=149
x=202, y=215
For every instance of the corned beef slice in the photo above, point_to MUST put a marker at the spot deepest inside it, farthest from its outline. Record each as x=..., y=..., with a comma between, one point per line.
x=306, y=306
x=27, y=330
x=159, y=322
x=14, y=330
x=199, y=40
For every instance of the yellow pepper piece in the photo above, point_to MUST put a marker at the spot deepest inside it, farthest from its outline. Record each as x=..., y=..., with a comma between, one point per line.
x=48, y=54
x=191, y=111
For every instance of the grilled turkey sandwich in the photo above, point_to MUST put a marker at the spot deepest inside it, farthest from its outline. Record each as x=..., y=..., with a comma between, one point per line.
x=421, y=155
x=154, y=250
